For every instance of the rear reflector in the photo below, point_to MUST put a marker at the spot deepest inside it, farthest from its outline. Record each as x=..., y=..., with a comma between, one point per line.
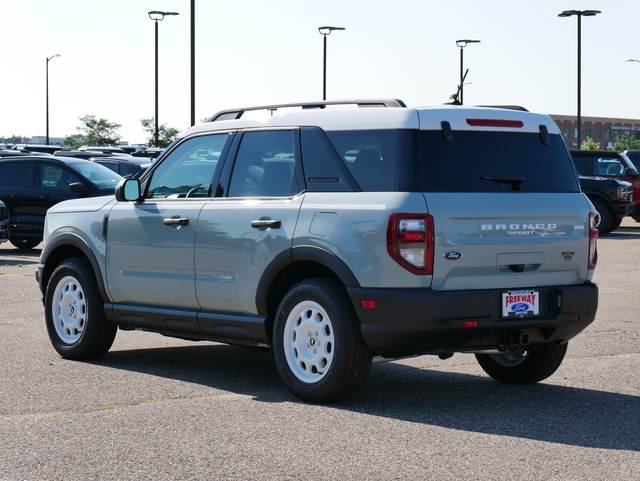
x=495, y=123
x=470, y=323
x=574, y=317
x=366, y=304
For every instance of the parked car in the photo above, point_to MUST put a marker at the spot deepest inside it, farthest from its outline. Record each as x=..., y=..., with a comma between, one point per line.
x=123, y=164
x=612, y=198
x=609, y=164
x=29, y=185
x=331, y=235
x=4, y=221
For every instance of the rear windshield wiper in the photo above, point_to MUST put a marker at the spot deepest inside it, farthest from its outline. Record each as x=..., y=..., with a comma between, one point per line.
x=514, y=181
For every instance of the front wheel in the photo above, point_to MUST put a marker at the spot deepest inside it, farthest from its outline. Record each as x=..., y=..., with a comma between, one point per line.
x=523, y=367
x=604, y=217
x=74, y=312
x=317, y=345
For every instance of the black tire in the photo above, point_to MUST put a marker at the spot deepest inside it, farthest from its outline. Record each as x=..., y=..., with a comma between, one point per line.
x=74, y=312
x=523, y=368
x=615, y=223
x=317, y=344
x=604, y=219
x=25, y=243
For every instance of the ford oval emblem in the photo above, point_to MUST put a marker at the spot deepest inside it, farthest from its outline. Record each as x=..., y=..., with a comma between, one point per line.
x=452, y=255
x=520, y=307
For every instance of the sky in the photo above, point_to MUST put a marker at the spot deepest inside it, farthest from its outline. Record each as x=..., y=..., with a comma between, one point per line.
x=257, y=52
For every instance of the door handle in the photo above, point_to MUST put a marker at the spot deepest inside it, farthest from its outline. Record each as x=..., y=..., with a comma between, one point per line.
x=182, y=221
x=266, y=222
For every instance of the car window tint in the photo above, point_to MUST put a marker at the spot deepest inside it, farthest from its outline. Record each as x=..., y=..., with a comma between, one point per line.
x=265, y=165
x=17, y=174
x=476, y=161
x=369, y=156
x=55, y=177
x=187, y=171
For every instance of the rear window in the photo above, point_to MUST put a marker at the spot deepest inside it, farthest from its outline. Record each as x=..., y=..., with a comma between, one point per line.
x=484, y=161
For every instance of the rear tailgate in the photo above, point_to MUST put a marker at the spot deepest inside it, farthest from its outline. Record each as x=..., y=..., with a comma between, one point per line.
x=509, y=240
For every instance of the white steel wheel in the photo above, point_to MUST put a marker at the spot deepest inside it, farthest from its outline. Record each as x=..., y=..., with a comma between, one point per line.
x=74, y=312
x=69, y=310
x=309, y=341
x=317, y=345
x=510, y=359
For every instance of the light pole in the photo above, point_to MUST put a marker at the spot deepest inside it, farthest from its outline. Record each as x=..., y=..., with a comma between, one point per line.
x=633, y=60
x=325, y=32
x=47, y=97
x=579, y=14
x=462, y=44
x=193, y=62
x=157, y=16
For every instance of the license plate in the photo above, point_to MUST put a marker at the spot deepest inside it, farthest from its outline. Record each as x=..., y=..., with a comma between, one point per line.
x=520, y=303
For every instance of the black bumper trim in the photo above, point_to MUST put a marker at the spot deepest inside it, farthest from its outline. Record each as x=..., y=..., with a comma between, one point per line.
x=423, y=321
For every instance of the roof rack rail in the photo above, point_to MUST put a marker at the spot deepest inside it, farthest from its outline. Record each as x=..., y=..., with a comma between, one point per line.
x=233, y=114
x=508, y=107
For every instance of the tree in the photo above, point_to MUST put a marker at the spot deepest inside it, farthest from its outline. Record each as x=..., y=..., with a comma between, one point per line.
x=99, y=132
x=74, y=141
x=590, y=144
x=625, y=142
x=166, y=135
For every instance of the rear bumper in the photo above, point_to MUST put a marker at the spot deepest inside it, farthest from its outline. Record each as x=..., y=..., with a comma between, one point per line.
x=422, y=321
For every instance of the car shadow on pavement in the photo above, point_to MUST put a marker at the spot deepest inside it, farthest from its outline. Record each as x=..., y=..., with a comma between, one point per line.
x=624, y=233
x=539, y=412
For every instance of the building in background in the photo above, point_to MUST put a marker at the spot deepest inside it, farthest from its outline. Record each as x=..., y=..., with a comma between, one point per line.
x=604, y=130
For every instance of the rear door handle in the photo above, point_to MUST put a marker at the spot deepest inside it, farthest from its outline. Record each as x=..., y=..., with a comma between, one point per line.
x=177, y=221
x=266, y=222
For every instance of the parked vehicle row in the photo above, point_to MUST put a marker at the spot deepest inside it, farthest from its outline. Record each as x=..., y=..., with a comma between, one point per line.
x=610, y=165
x=30, y=185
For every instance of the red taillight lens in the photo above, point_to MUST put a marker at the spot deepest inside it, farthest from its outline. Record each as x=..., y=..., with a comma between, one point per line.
x=593, y=236
x=410, y=242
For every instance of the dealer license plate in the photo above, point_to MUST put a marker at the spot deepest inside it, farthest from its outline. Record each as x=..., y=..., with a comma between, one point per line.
x=520, y=303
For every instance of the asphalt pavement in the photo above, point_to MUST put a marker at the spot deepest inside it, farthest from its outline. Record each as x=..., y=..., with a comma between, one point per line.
x=162, y=408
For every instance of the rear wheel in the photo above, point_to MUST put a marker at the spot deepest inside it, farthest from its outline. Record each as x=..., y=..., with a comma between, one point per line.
x=74, y=312
x=317, y=345
x=523, y=367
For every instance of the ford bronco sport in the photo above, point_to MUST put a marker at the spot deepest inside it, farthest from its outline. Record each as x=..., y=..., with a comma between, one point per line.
x=332, y=232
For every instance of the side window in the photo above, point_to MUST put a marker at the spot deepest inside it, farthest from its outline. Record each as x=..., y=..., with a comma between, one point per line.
x=188, y=170
x=323, y=168
x=609, y=166
x=54, y=177
x=17, y=174
x=369, y=155
x=265, y=165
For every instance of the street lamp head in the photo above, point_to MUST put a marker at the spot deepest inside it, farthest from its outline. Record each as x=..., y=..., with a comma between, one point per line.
x=157, y=15
x=580, y=13
x=464, y=42
x=326, y=30
x=53, y=56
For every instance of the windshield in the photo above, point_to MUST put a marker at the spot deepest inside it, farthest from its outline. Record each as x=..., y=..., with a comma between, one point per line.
x=99, y=175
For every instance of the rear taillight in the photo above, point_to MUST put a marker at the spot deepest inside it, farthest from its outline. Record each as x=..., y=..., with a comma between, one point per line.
x=410, y=242
x=593, y=236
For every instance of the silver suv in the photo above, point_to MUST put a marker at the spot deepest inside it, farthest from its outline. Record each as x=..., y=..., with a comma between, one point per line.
x=333, y=232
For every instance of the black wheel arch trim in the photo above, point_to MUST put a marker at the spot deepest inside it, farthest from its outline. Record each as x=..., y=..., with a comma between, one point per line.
x=296, y=255
x=74, y=240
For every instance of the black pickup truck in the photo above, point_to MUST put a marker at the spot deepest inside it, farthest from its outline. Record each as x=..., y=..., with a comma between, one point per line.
x=612, y=199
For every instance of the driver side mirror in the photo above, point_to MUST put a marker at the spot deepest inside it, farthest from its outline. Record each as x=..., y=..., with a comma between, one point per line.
x=128, y=190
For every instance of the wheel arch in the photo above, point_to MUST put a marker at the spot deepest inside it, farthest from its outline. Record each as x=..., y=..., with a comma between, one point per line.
x=66, y=246
x=303, y=262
